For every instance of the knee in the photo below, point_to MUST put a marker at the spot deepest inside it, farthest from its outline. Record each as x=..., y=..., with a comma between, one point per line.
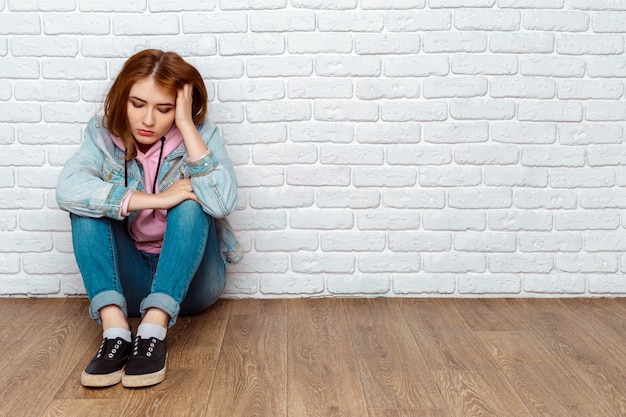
x=189, y=215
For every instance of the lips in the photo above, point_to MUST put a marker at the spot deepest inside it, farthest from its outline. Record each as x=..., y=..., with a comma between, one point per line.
x=145, y=132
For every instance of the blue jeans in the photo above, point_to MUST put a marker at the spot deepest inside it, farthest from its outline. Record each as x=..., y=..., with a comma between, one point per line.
x=187, y=277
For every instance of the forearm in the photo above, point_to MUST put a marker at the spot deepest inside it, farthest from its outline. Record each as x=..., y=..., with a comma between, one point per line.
x=144, y=201
x=194, y=144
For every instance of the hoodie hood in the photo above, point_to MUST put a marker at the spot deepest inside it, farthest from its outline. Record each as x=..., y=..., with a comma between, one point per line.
x=173, y=138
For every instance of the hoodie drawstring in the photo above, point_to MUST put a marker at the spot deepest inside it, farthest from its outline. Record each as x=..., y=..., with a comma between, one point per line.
x=156, y=175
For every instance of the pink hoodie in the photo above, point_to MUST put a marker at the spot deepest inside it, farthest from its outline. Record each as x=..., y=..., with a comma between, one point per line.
x=147, y=230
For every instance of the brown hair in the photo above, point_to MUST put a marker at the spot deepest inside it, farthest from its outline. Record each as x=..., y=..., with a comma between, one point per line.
x=170, y=71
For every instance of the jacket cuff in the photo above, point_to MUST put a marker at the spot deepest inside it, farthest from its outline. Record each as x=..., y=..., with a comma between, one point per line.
x=203, y=165
x=113, y=203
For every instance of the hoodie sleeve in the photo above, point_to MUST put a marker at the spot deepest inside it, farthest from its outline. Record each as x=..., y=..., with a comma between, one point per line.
x=212, y=176
x=81, y=188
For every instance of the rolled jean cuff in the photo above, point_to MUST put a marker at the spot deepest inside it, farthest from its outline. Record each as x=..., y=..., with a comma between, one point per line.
x=163, y=302
x=106, y=298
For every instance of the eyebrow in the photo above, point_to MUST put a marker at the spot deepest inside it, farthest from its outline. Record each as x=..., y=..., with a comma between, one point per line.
x=144, y=101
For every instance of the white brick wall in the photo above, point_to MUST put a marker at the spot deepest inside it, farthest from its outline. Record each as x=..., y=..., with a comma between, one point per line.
x=383, y=147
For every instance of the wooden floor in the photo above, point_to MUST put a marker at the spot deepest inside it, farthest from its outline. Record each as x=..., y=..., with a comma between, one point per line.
x=334, y=357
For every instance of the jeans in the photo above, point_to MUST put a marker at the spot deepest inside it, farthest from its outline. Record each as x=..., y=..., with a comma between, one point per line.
x=185, y=278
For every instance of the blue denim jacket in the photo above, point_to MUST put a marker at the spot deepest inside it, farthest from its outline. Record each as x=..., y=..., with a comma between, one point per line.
x=91, y=183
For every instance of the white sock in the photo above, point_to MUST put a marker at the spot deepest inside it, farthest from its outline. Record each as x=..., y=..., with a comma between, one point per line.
x=148, y=330
x=113, y=333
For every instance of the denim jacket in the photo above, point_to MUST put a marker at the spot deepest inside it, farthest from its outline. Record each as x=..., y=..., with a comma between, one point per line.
x=91, y=183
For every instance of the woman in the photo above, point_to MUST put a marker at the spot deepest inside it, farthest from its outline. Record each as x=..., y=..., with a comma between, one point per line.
x=147, y=193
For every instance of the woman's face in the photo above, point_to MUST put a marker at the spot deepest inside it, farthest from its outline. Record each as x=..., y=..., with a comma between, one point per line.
x=151, y=112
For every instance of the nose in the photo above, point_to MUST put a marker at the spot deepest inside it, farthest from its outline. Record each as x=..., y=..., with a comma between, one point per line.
x=148, y=118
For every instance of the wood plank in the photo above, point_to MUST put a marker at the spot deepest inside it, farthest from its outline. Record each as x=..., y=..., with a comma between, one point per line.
x=496, y=314
x=251, y=378
x=322, y=374
x=444, y=336
x=393, y=370
x=378, y=412
x=92, y=408
x=542, y=379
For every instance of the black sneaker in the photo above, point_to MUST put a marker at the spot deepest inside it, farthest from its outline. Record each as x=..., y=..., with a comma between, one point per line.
x=107, y=367
x=146, y=365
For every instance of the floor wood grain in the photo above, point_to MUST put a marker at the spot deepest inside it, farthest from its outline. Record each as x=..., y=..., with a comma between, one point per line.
x=333, y=357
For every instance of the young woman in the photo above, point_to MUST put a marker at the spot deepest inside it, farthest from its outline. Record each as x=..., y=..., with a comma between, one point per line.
x=148, y=192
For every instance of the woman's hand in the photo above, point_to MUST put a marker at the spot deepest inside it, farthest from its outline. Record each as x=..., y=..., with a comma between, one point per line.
x=184, y=101
x=176, y=193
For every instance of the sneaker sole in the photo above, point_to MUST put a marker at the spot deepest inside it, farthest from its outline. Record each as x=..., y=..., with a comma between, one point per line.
x=138, y=381
x=98, y=381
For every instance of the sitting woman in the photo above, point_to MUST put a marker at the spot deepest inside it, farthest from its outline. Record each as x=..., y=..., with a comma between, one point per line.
x=147, y=193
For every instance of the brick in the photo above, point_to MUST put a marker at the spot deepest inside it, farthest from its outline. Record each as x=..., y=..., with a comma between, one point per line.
x=577, y=44
x=484, y=64
x=455, y=262
x=292, y=284
x=522, y=43
x=281, y=154
x=609, y=22
x=550, y=111
x=416, y=66
x=552, y=66
x=418, y=21
x=19, y=24
x=455, y=86
x=454, y=220
x=7, y=180
x=346, y=198
x=550, y=242
x=278, y=111
x=341, y=111
x=264, y=263
x=49, y=263
x=602, y=199
x=74, y=69
x=424, y=284
x=251, y=4
x=347, y=66
x=314, y=176
x=607, y=284
x=293, y=66
x=43, y=6
x=512, y=220
x=546, y=199
x=596, y=5
x=315, y=43
x=281, y=198
x=516, y=177
x=448, y=132
x=9, y=263
x=485, y=242
x=68, y=113
x=591, y=89
x=531, y=4
x=435, y=42
x=257, y=133
x=319, y=88
x=353, y=242
x=252, y=90
x=40, y=177
x=7, y=134
x=482, y=109
x=374, y=89
x=179, y=6
x=490, y=20
x=108, y=6
x=392, y=133
x=587, y=134
x=437, y=4
x=326, y=219
x=418, y=155
x=348, y=21
x=358, y=284
x=55, y=91
x=20, y=112
x=520, y=133
x=279, y=21
x=553, y=157
x=25, y=242
x=392, y=4
x=588, y=220
x=606, y=156
x=409, y=241
x=38, y=46
x=520, y=263
x=486, y=154
x=322, y=263
x=281, y=241
x=351, y=155
x=242, y=283
x=605, y=111
x=414, y=199
x=587, y=263
x=370, y=44
x=556, y=21
x=321, y=132
x=325, y=4
x=582, y=178
x=259, y=220
x=414, y=111
x=489, y=284
x=214, y=22
x=384, y=219
x=255, y=44
x=384, y=177
x=260, y=176
x=605, y=242
x=20, y=68
x=220, y=68
x=389, y=262
x=488, y=198
x=76, y=24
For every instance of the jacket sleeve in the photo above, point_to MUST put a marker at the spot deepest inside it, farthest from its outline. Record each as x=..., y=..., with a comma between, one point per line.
x=81, y=188
x=213, y=177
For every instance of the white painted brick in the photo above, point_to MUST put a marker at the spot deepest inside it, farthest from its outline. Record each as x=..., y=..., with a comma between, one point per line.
x=587, y=134
x=458, y=176
x=68, y=112
x=489, y=284
x=9, y=264
x=49, y=263
x=313, y=43
x=520, y=133
x=621, y=176
x=553, y=157
x=351, y=155
x=8, y=220
x=109, y=6
x=326, y=219
x=436, y=42
x=278, y=111
x=321, y=132
x=602, y=199
x=603, y=284
x=348, y=21
x=22, y=155
x=523, y=43
x=239, y=155
x=7, y=179
x=76, y=24
x=279, y=21
x=322, y=263
x=292, y=284
x=556, y=21
x=577, y=44
x=414, y=199
x=281, y=154
x=480, y=198
x=607, y=22
x=353, y=242
x=416, y=66
x=38, y=46
x=587, y=220
x=25, y=242
x=392, y=4
x=414, y=111
x=20, y=112
x=259, y=220
x=453, y=220
x=347, y=198
x=37, y=177
x=369, y=284
x=316, y=177
x=279, y=67
x=385, y=219
x=424, y=284
x=343, y=111
x=47, y=91
x=21, y=68
x=516, y=177
x=453, y=86
x=347, y=66
x=179, y=6
x=290, y=241
x=241, y=285
x=263, y=263
x=392, y=133
x=32, y=285
x=550, y=242
x=606, y=156
x=596, y=4
x=260, y=176
x=419, y=242
x=44, y=6
x=582, y=178
x=94, y=91
x=251, y=4
x=328, y=88
x=552, y=66
x=250, y=90
x=436, y=4
x=325, y=4
x=374, y=89
x=384, y=177
x=546, y=199
x=19, y=24
x=484, y=242
x=448, y=132
x=5, y=90
x=605, y=111
x=391, y=44
x=606, y=66
x=418, y=21
x=63, y=240
x=454, y=262
x=214, y=22
x=281, y=198
x=587, y=263
x=520, y=263
x=486, y=154
x=550, y=111
x=251, y=44
x=389, y=262
x=74, y=69
x=418, y=155
x=605, y=242
x=251, y=134
x=480, y=109
x=512, y=221
x=484, y=64
x=590, y=89
x=522, y=87
x=537, y=4
x=7, y=134
x=111, y=47
x=492, y=20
